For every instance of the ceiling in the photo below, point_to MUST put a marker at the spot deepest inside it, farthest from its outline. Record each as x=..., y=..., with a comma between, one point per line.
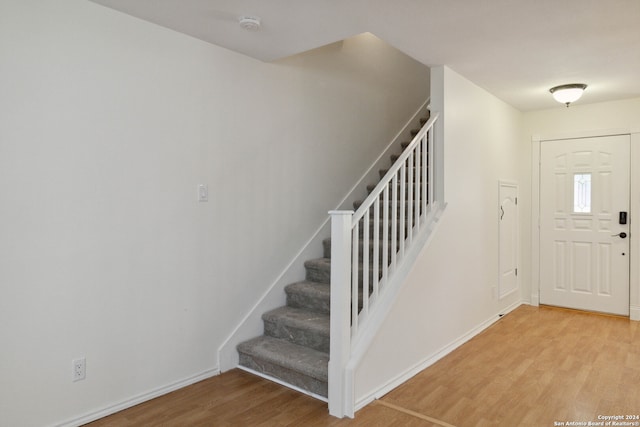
x=515, y=49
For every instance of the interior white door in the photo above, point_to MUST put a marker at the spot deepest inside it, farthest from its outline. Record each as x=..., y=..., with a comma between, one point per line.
x=584, y=247
x=508, y=213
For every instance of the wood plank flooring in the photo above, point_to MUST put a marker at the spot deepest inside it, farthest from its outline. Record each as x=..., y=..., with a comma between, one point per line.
x=535, y=367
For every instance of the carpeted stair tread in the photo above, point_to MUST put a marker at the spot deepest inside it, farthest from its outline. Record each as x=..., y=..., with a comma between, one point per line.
x=326, y=245
x=318, y=270
x=372, y=187
x=395, y=157
x=358, y=203
x=404, y=145
x=398, y=198
x=383, y=172
x=312, y=296
x=299, y=326
x=302, y=360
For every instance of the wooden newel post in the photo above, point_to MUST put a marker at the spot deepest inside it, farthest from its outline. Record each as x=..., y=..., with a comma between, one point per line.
x=340, y=333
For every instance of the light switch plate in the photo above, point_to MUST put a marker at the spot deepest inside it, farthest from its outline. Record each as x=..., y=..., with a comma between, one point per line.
x=203, y=193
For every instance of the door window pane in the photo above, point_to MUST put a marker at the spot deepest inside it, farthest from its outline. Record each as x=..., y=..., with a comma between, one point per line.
x=582, y=193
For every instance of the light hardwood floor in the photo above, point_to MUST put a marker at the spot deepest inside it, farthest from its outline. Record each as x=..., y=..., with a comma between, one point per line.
x=535, y=367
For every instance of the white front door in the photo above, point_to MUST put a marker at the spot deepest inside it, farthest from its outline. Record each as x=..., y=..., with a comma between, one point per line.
x=584, y=242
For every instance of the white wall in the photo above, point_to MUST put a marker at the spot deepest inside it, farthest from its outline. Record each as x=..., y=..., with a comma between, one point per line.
x=578, y=120
x=562, y=121
x=448, y=295
x=107, y=124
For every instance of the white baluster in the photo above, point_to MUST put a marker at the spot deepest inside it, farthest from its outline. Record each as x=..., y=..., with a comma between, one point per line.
x=425, y=169
x=376, y=247
x=416, y=186
x=394, y=221
x=403, y=196
x=385, y=234
x=354, y=277
x=409, y=197
x=365, y=264
x=431, y=171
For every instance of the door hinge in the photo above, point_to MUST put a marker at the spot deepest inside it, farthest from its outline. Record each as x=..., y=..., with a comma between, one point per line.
x=516, y=200
x=516, y=271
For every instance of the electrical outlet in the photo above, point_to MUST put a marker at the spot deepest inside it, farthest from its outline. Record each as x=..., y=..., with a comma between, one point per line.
x=78, y=369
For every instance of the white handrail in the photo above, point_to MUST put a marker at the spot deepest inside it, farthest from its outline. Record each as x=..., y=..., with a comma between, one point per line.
x=362, y=264
x=394, y=168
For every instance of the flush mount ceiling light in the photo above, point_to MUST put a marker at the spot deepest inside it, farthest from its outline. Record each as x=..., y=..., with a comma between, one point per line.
x=250, y=23
x=566, y=94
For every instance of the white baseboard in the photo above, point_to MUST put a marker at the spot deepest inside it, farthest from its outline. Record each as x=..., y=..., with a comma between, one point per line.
x=136, y=400
x=433, y=358
x=634, y=312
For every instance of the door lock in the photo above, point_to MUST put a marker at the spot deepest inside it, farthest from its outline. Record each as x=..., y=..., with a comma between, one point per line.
x=622, y=217
x=622, y=235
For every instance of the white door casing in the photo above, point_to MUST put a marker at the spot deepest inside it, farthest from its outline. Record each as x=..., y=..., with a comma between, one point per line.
x=584, y=262
x=508, y=256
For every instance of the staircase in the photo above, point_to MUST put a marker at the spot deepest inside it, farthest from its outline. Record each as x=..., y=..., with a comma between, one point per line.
x=295, y=346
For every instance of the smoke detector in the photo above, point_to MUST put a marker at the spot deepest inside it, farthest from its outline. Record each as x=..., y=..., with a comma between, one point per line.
x=250, y=23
